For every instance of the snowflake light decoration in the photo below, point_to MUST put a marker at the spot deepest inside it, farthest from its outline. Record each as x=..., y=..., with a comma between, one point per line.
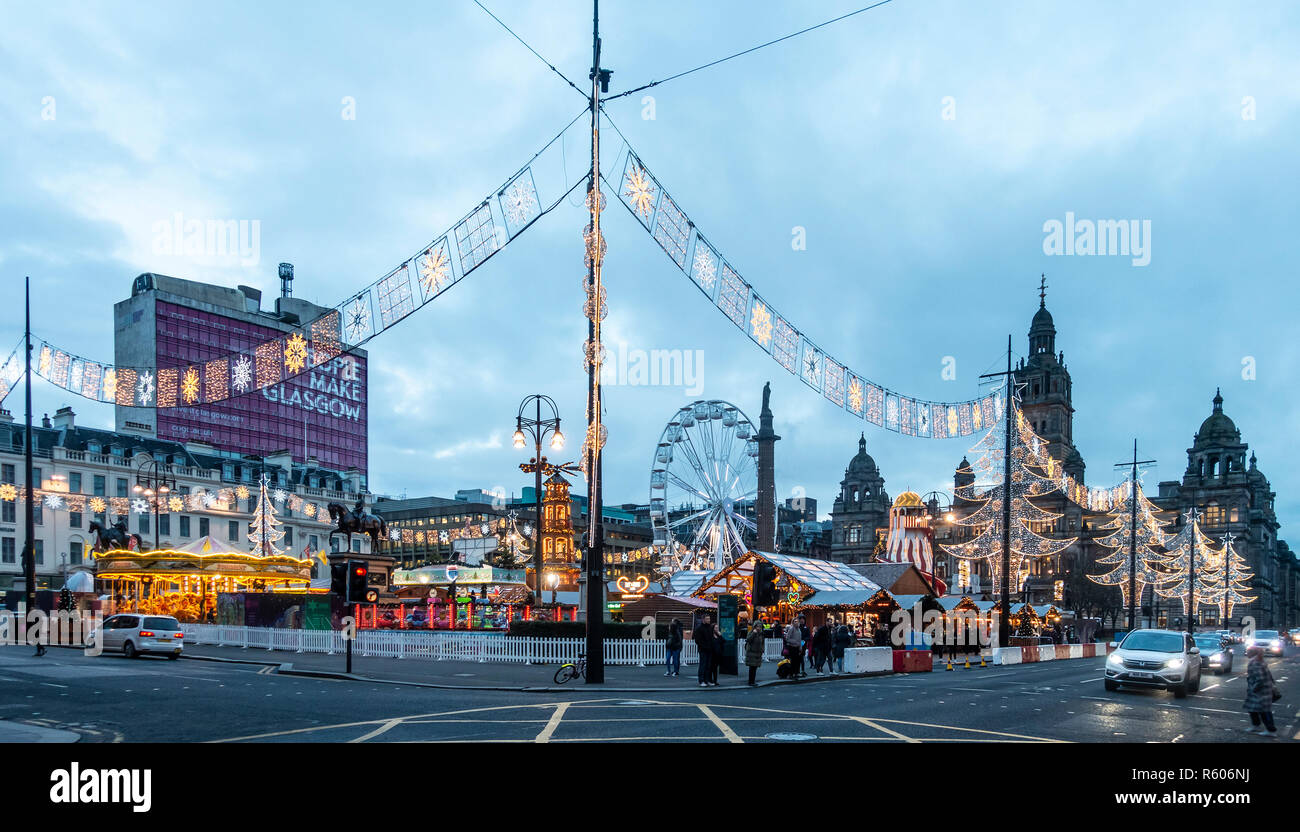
x=53, y=502
x=8, y=493
x=140, y=506
x=640, y=191
x=435, y=268
x=279, y=495
x=190, y=386
x=761, y=324
x=242, y=375
x=110, y=385
x=295, y=353
x=97, y=505
x=209, y=499
x=176, y=503
x=395, y=535
x=444, y=536
x=358, y=319
x=242, y=492
x=812, y=367
x=520, y=200
x=144, y=388
x=705, y=269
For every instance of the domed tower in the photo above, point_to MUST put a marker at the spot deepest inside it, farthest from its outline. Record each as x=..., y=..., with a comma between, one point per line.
x=1045, y=389
x=861, y=508
x=1217, y=455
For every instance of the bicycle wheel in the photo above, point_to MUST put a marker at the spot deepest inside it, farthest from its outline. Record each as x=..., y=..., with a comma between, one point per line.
x=565, y=673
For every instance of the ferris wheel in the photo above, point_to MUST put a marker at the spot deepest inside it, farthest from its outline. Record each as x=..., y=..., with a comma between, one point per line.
x=703, y=478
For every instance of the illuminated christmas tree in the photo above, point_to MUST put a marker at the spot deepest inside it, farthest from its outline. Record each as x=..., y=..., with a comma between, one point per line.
x=1151, y=538
x=1205, y=579
x=1233, y=582
x=264, y=529
x=1030, y=477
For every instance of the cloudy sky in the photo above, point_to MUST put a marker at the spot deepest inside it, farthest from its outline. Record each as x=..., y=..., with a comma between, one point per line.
x=922, y=146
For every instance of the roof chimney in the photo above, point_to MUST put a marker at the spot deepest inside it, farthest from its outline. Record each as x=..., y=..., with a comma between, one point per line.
x=6, y=417
x=286, y=280
x=65, y=419
x=45, y=420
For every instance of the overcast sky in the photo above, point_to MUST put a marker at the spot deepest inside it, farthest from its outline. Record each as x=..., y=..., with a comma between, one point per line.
x=924, y=231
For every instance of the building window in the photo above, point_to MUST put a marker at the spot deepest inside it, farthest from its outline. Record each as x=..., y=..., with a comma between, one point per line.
x=144, y=524
x=1213, y=515
x=100, y=486
x=288, y=537
x=8, y=513
x=185, y=527
x=74, y=519
x=164, y=524
x=74, y=483
x=203, y=527
x=1232, y=516
x=75, y=552
x=7, y=474
x=232, y=533
x=7, y=553
x=121, y=487
x=40, y=552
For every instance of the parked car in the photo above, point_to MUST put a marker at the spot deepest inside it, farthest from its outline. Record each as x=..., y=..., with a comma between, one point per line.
x=1270, y=640
x=1216, y=654
x=135, y=634
x=1162, y=659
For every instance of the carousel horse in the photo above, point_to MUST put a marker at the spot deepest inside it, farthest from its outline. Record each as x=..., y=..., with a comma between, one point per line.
x=114, y=537
x=357, y=521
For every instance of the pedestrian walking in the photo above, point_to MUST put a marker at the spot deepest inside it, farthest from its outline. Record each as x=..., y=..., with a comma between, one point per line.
x=719, y=649
x=805, y=649
x=841, y=641
x=821, y=645
x=754, y=644
x=704, y=645
x=794, y=648
x=1261, y=693
x=673, y=649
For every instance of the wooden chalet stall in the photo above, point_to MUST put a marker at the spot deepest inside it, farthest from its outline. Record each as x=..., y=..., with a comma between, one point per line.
x=803, y=585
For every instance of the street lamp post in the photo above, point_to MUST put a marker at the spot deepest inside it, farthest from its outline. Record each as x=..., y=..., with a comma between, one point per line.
x=154, y=480
x=538, y=428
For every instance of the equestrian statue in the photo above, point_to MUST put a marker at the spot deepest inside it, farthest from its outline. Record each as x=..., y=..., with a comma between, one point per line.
x=115, y=537
x=358, y=521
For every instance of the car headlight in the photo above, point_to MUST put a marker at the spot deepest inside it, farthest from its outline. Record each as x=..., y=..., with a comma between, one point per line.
x=1114, y=660
x=1174, y=663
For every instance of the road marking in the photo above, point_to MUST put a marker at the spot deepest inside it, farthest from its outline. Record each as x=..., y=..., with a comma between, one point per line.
x=722, y=726
x=977, y=690
x=381, y=729
x=873, y=724
x=553, y=722
x=1089, y=681
x=52, y=685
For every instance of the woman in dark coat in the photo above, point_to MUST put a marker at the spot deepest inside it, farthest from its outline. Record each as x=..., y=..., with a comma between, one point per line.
x=754, y=644
x=1260, y=689
x=841, y=640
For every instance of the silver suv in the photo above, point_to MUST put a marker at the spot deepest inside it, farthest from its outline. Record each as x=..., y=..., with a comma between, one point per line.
x=135, y=634
x=1155, y=659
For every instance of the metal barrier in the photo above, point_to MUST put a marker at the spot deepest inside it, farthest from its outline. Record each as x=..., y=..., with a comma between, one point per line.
x=441, y=645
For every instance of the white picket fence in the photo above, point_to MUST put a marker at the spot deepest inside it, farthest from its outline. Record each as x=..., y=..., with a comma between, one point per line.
x=442, y=645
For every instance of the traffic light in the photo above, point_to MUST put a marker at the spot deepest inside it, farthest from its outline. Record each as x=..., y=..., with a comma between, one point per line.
x=764, y=590
x=358, y=581
x=339, y=579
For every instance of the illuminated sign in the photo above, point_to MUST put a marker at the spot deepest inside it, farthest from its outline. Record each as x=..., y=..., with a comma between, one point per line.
x=634, y=589
x=461, y=575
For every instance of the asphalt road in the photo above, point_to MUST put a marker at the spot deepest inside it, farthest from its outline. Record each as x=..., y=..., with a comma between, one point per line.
x=109, y=698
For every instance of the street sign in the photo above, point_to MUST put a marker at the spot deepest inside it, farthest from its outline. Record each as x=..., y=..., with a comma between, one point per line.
x=728, y=610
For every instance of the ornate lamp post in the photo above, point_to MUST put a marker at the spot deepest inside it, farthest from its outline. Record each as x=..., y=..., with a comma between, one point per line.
x=538, y=428
x=155, y=481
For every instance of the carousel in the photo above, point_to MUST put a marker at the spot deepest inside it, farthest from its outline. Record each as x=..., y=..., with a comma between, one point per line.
x=184, y=582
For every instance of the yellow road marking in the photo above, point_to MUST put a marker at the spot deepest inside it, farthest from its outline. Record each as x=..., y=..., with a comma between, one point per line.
x=553, y=722
x=722, y=726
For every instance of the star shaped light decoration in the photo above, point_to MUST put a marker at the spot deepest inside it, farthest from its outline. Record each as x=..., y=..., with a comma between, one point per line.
x=434, y=269
x=761, y=324
x=8, y=493
x=190, y=385
x=640, y=191
x=54, y=502
x=295, y=353
x=242, y=374
x=358, y=319
x=855, y=395
x=140, y=506
x=97, y=505
x=176, y=503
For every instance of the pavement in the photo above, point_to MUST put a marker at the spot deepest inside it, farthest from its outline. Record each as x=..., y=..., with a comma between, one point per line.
x=113, y=699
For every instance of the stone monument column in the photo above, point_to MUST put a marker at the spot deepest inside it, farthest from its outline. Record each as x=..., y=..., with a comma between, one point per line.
x=766, y=505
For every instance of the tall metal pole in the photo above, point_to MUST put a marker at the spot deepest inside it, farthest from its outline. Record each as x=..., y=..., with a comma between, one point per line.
x=1133, y=542
x=1191, y=576
x=29, y=544
x=1004, y=624
x=595, y=548
x=537, y=503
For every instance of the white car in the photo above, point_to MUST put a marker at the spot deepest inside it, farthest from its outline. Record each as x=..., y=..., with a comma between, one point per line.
x=1155, y=659
x=135, y=634
x=1270, y=641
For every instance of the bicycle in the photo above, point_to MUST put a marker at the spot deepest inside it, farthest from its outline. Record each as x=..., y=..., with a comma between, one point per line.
x=572, y=670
